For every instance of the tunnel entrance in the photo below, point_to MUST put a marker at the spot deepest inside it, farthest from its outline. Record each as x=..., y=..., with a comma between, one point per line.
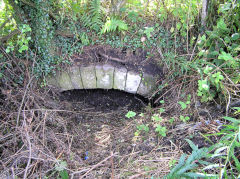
x=100, y=100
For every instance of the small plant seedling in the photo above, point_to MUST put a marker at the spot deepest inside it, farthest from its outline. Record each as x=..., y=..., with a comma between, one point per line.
x=61, y=168
x=140, y=128
x=183, y=105
x=172, y=163
x=161, y=130
x=130, y=114
x=157, y=118
x=172, y=120
x=184, y=119
x=141, y=114
x=161, y=110
x=143, y=127
x=162, y=101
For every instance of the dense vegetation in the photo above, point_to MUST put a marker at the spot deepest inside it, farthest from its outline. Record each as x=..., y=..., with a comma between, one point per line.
x=198, y=45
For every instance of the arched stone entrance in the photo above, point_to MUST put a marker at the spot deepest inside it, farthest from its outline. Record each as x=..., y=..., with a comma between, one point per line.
x=109, y=73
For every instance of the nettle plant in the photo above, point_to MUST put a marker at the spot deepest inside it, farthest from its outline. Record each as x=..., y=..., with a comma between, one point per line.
x=218, y=60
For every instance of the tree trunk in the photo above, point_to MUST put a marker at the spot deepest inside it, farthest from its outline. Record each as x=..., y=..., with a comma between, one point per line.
x=204, y=12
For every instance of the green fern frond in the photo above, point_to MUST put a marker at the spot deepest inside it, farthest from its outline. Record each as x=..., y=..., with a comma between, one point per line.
x=93, y=16
x=114, y=24
x=184, y=166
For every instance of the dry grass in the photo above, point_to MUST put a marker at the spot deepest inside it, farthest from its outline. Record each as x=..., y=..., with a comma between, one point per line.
x=37, y=132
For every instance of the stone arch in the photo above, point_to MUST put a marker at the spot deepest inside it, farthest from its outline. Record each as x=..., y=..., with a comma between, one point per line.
x=105, y=76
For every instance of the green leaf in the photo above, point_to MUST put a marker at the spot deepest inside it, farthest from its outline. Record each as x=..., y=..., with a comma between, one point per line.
x=148, y=31
x=179, y=25
x=225, y=56
x=171, y=120
x=113, y=24
x=157, y=118
x=64, y=174
x=61, y=166
x=183, y=105
x=130, y=114
x=203, y=84
x=23, y=47
x=162, y=101
x=161, y=110
x=235, y=36
x=161, y=130
x=7, y=50
x=232, y=119
x=192, y=145
x=143, y=127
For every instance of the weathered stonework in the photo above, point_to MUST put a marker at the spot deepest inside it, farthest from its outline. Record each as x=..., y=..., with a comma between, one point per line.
x=75, y=75
x=104, y=74
x=64, y=81
x=88, y=75
x=147, y=85
x=52, y=82
x=132, y=82
x=120, y=75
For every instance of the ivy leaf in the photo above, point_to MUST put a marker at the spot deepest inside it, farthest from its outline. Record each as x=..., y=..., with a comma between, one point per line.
x=235, y=36
x=23, y=47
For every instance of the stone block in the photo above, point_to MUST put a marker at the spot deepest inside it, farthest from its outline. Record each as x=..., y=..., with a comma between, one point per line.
x=64, y=81
x=51, y=81
x=133, y=81
x=104, y=75
x=120, y=75
x=147, y=85
x=88, y=75
x=75, y=75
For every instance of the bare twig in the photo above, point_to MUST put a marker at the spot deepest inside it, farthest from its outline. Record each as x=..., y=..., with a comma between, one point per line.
x=30, y=148
x=23, y=99
x=98, y=164
x=113, y=58
x=5, y=38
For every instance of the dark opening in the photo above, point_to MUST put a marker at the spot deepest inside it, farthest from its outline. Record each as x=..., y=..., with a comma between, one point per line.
x=104, y=100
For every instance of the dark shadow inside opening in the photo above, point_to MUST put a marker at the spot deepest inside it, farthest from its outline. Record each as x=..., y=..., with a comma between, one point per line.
x=104, y=100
